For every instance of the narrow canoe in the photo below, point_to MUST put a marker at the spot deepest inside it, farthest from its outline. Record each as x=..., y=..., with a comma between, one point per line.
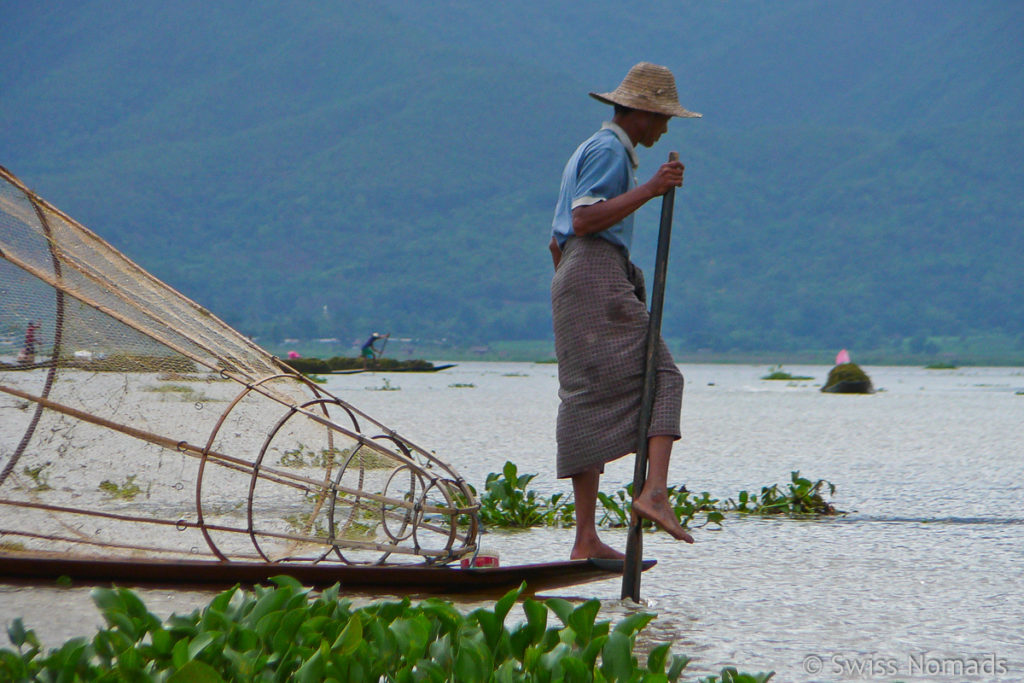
x=389, y=579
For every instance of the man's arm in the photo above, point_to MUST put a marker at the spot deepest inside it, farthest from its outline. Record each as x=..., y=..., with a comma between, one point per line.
x=587, y=220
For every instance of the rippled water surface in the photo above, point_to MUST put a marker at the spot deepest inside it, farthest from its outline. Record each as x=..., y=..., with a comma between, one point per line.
x=921, y=577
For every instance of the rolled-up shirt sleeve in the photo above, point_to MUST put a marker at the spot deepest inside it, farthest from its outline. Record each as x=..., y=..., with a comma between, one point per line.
x=601, y=176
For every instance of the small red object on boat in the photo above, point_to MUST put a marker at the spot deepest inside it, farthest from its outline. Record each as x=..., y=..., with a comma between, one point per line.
x=481, y=560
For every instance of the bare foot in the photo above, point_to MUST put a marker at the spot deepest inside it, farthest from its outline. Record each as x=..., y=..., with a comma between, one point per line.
x=599, y=550
x=653, y=505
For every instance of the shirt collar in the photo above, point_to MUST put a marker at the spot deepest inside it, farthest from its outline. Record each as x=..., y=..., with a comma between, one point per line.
x=624, y=139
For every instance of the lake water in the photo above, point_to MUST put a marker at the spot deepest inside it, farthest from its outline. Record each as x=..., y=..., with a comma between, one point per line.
x=922, y=579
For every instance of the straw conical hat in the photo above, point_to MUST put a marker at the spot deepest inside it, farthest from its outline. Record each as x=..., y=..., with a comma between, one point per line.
x=648, y=87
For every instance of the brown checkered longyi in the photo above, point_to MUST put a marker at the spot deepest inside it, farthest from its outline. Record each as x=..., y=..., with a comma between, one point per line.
x=600, y=321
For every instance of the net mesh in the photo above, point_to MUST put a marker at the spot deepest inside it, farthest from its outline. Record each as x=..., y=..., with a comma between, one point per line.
x=134, y=422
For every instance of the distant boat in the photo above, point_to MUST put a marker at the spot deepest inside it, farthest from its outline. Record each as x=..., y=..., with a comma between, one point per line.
x=341, y=365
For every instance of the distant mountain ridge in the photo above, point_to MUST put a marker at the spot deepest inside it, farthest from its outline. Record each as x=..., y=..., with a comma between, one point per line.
x=328, y=170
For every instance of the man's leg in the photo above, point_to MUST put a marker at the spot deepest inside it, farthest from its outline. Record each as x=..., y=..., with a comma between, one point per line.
x=584, y=488
x=652, y=503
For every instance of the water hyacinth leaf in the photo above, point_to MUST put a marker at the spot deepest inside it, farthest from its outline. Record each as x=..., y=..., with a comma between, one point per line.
x=383, y=640
x=582, y=620
x=575, y=670
x=200, y=643
x=16, y=633
x=617, y=657
x=441, y=651
x=312, y=670
x=550, y=663
x=593, y=649
x=268, y=625
x=350, y=637
x=129, y=661
x=675, y=670
x=502, y=606
x=195, y=672
x=269, y=602
x=633, y=623
x=536, y=618
x=563, y=609
x=161, y=641
x=489, y=624
x=285, y=581
x=657, y=658
x=472, y=662
x=72, y=657
x=221, y=602
x=179, y=653
x=244, y=639
x=411, y=635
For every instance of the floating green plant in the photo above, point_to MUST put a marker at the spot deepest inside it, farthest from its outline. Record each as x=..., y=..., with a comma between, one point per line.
x=286, y=633
x=183, y=392
x=126, y=491
x=460, y=385
x=940, y=366
x=617, y=507
x=386, y=386
x=803, y=497
x=39, y=476
x=778, y=373
x=508, y=502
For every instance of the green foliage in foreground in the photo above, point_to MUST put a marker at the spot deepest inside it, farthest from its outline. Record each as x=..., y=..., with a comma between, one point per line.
x=283, y=633
x=508, y=502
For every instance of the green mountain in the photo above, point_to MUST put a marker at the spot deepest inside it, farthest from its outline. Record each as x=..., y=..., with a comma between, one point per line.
x=312, y=170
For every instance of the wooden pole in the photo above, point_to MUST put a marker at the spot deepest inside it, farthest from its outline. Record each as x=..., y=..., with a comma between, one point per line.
x=634, y=540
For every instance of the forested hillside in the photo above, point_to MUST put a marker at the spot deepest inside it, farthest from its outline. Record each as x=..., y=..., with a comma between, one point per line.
x=313, y=170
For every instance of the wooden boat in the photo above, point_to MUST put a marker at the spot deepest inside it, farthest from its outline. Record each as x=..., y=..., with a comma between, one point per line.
x=250, y=471
x=389, y=579
x=356, y=371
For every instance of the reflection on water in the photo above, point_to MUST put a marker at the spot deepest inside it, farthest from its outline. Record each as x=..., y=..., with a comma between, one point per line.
x=928, y=563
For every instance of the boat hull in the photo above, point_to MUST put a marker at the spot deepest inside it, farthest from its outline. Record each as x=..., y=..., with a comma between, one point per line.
x=387, y=579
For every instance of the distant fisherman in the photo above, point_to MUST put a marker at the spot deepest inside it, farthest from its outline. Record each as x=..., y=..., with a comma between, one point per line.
x=27, y=356
x=368, y=351
x=600, y=318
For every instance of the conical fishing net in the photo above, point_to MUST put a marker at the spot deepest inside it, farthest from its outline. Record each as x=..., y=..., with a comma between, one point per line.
x=135, y=423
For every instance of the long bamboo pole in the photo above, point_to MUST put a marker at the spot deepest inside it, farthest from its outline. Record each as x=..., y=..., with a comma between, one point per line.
x=635, y=540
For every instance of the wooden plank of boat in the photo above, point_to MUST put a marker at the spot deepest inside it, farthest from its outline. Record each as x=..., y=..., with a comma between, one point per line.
x=391, y=579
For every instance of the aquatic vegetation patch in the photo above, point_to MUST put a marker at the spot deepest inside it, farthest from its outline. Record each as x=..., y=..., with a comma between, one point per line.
x=39, y=476
x=508, y=502
x=286, y=633
x=778, y=373
x=386, y=386
x=460, y=385
x=848, y=378
x=182, y=392
x=617, y=507
x=126, y=491
x=940, y=366
x=802, y=497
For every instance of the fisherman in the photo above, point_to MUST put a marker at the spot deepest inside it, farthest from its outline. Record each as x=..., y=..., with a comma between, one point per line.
x=599, y=311
x=368, y=351
x=27, y=356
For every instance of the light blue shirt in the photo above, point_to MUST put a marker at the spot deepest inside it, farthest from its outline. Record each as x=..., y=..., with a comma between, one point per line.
x=600, y=168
